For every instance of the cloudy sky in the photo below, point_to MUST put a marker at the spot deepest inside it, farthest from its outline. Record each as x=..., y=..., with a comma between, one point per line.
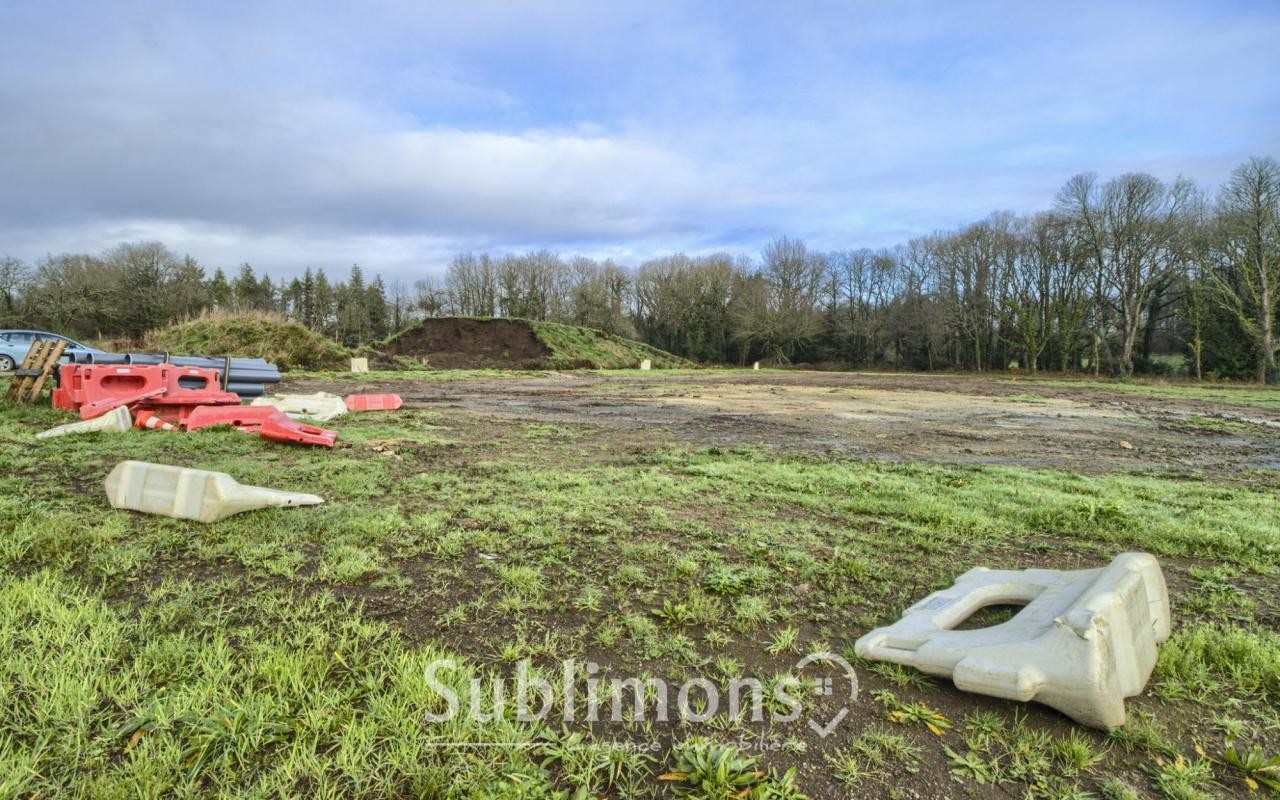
x=398, y=133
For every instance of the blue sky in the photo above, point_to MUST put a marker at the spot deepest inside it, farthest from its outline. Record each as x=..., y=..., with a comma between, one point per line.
x=396, y=134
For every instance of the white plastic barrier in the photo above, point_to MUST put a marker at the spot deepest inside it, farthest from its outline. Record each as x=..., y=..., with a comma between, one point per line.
x=191, y=493
x=1085, y=641
x=116, y=420
x=319, y=406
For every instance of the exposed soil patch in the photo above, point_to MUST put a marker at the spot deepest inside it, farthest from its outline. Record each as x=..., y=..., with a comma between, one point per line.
x=460, y=343
x=949, y=418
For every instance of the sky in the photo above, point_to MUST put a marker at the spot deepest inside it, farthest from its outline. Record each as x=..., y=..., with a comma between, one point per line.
x=397, y=134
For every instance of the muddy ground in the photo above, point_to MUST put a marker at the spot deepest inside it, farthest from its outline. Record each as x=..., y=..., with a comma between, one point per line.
x=947, y=418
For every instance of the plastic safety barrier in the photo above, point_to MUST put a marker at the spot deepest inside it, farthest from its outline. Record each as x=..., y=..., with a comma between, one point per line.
x=1084, y=641
x=279, y=428
x=195, y=494
x=373, y=402
x=95, y=389
x=105, y=387
x=102, y=406
x=115, y=421
x=321, y=405
x=194, y=386
x=245, y=418
x=266, y=421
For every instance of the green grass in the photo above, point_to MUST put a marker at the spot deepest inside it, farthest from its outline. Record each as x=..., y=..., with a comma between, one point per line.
x=1230, y=394
x=190, y=695
x=575, y=347
x=281, y=652
x=1203, y=659
x=1215, y=425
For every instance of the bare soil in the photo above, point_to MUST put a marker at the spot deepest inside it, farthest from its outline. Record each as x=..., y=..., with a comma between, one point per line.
x=459, y=343
x=946, y=418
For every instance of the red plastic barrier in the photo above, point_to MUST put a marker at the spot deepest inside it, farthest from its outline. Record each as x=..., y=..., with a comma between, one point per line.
x=373, y=402
x=99, y=407
x=62, y=397
x=195, y=386
x=103, y=387
x=94, y=389
x=279, y=428
x=246, y=418
x=164, y=396
x=266, y=421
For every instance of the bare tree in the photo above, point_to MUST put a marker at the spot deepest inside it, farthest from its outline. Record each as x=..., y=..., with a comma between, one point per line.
x=777, y=309
x=473, y=285
x=433, y=299
x=683, y=305
x=532, y=286
x=598, y=296
x=14, y=274
x=402, y=306
x=857, y=280
x=1130, y=228
x=1248, y=285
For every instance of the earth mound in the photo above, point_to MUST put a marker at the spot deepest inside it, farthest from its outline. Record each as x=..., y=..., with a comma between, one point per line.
x=286, y=344
x=481, y=343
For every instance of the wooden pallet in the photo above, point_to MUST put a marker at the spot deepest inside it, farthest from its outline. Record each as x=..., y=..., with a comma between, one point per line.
x=29, y=379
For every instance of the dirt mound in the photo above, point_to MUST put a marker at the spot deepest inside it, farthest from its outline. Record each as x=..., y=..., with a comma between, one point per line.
x=286, y=344
x=463, y=343
x=472, y=343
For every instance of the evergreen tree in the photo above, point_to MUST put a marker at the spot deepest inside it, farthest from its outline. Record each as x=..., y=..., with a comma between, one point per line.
x=219, y=289
x=352, y=308
x=376, y=304
x=291, y=300
x=187, y=291
x=244, y=289
x=307, y=300
x=324, y=305
x=266, y=296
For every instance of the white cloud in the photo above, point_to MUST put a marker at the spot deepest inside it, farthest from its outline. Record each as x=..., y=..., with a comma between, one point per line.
x=293, y=134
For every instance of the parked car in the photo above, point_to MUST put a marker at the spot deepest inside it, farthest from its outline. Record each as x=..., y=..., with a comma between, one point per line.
x=15, y=344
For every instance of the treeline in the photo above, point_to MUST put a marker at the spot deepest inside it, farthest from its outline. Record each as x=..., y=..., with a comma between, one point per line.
x=134, y=288
x=1115, y=278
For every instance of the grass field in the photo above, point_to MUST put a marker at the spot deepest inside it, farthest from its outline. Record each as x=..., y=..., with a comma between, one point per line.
x=286, y=652
x=1230, y=394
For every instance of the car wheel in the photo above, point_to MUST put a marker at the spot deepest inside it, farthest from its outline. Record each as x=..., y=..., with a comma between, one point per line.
x=6, y=364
